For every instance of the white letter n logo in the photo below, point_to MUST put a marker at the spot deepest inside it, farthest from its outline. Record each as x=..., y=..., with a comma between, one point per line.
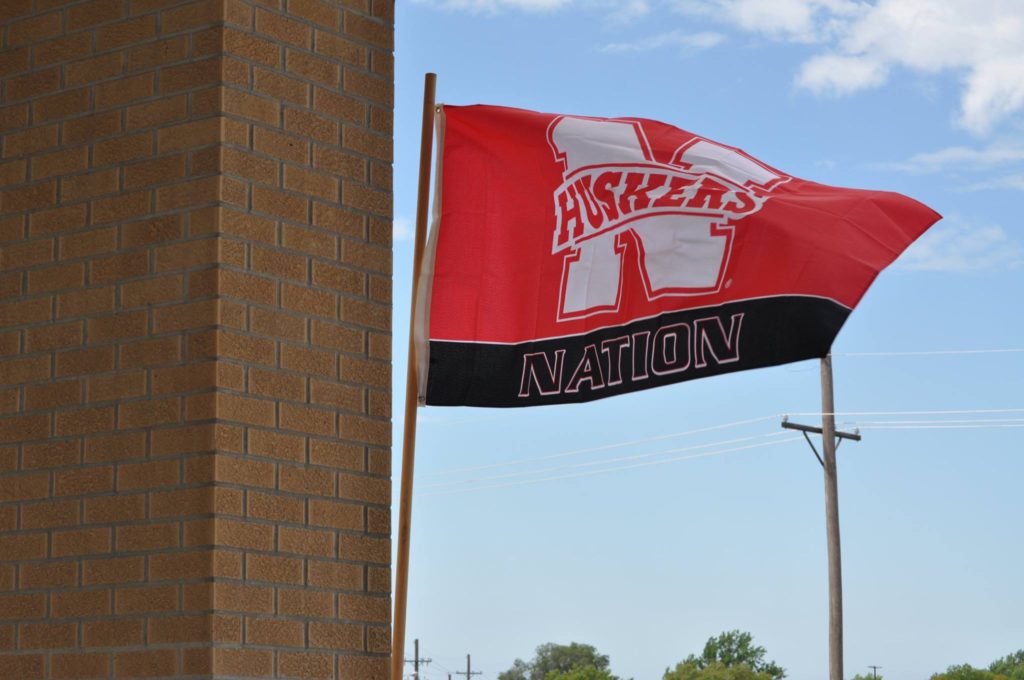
x=678, y=216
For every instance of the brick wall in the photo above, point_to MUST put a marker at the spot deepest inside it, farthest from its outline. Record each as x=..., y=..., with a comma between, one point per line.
x=195, y=348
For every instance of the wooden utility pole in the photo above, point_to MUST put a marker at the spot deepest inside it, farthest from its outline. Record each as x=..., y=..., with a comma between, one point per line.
x=411, y=389
x=416, y=660
x=469, y=672
x=829, y=442
x=835, y=569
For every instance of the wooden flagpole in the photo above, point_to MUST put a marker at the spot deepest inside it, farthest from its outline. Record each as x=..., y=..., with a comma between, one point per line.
x=835, y=570
x=411, y=387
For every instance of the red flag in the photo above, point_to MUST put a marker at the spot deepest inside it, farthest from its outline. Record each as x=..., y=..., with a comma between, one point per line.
x=573, y=258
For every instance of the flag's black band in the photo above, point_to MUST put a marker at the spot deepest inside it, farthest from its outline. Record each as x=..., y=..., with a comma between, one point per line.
x=667, y=349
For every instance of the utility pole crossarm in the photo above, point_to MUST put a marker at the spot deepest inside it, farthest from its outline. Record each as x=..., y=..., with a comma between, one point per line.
x=855, y=435
x=469, y=672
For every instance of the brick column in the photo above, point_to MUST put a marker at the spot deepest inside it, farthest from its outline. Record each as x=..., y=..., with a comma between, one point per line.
x=195, y=348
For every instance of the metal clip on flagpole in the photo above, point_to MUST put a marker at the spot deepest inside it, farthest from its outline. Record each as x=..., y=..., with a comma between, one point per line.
x=411, y=388
x=830, y=439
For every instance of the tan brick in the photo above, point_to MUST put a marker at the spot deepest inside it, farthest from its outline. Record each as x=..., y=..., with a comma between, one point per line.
x=79, y=666
x=335, y=635
x=305, y=603
x=64, y=48
x=146, y=599
x=308, y=419
x=277, y=385
x=50, y=514
x=23, y=546
x=158, y=112
x=118, y=267
x=77, y=542
x=83, y=481
x=48, y=575
x=309, y=361
x=62, y=105
x=26, y=666
x=124, y=446
x=277, y=445
x=336, y=515
x=283, y=29
x=93, y=13
x=243, y=662
x=114, y=570
x=149, y=475
x=65, y=604
x=122, y=507
x=340, y=49
x=152, y=55
x=147, y=537
x=192, y=629
x=276, y=632
x=305, y=664
x=275, y=508
x=113, y=633
x=330, y=103
x=280, y=146
x=81, y=361
x=117, y=386
x=340, y=396
x=306, y=542
x=50, y=454
x=336, y=575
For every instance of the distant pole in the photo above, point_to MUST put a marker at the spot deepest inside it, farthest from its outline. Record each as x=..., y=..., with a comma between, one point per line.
x=874, y=671
x=469, y=672
x=835, y=570
x=411, y=389
x=416, y=660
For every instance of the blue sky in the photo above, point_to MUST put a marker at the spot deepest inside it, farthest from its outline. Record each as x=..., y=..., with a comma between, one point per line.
x=641, y=547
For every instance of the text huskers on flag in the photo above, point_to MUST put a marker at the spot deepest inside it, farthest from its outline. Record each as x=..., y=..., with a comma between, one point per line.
x=574, y=258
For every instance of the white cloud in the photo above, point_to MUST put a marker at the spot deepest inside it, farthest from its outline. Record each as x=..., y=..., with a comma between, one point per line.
x=839, y=74
x=980, y=41
x=491, y=6
x=956, y=245
x=401, y=229
x=960, y=158
x=1015, y=181
x=680, y=39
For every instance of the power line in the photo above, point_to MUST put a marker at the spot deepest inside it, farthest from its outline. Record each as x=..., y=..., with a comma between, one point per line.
x=910, y=413
x=711, y=428
x=594, y=449
x=937, y=352
x=591, y=473
x=604, y=461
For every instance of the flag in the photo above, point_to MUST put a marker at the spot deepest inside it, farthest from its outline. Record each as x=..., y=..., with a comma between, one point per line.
x=573, y=258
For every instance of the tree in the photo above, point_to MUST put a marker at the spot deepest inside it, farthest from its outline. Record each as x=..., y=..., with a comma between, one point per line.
x=867, y=677
x=551, y=661
x=1011, y=665
x=968, y=672
x=730, y=656
x=581, y=673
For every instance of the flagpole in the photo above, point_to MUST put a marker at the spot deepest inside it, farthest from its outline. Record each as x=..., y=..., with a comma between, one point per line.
x=411, y=388
x=835, y=573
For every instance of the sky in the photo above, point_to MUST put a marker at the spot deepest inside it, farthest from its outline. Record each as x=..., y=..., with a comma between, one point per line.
x=645, y=523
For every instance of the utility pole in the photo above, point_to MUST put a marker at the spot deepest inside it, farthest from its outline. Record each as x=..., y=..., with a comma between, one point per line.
x=469, y=672
x=829, y=443
x=874, y=671
x=416, y=660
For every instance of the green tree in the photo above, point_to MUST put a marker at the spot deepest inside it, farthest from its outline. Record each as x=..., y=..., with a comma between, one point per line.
x=581, y=673
x=968, y=672
x=729, y=656
x=1011, y=665
x=551, y=661
x=860, y=676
